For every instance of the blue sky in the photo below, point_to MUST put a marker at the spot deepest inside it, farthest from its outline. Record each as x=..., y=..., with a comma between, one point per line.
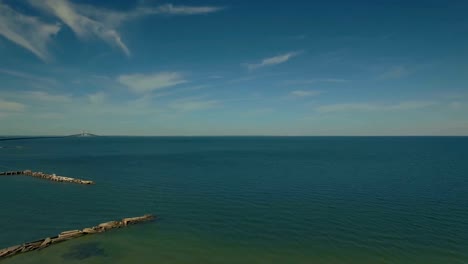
x=234, y=67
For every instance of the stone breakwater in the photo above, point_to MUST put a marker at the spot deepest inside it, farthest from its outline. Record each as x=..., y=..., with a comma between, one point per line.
x=67, y=235
x=51, y=177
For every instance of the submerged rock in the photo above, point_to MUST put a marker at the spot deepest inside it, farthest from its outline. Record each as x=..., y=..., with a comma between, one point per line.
x=85, y=251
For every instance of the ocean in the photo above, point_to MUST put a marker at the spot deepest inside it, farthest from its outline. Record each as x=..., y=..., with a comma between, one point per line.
x=304, y=200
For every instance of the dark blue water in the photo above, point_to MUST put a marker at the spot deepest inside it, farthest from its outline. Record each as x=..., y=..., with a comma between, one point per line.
x=242, y=199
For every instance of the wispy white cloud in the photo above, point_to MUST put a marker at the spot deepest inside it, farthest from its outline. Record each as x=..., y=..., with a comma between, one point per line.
x=305, y=93
x=97, y=98
x=50, y=116
x=88, y=21
x=316, y=80
x=455, y=105
x=409, y=105
x=272, y=60
x=396, y=72
x=186, y=10
x=454, y=95
x=215, y=77
x=193, y=104
x=242, y=79
x=144, y=83
x=46, y=97
x=34, y=99
x=27, y=76
x=82, y=25
x=27, y=31
x=346, y=107
x=114, y=18
x=178, y=91
x=11, y=106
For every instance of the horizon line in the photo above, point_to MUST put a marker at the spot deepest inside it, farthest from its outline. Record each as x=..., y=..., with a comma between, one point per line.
x=244, y=135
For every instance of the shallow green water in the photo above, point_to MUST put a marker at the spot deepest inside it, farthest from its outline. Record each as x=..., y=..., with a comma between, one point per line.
x=242, y=200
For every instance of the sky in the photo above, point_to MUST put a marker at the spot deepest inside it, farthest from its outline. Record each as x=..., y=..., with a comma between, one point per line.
x=234, y=67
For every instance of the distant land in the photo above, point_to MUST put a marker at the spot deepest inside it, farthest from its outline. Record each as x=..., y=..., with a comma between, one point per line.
x=84, y=134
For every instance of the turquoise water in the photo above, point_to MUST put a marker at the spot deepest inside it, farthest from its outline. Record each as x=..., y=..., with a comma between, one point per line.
x=242, y=199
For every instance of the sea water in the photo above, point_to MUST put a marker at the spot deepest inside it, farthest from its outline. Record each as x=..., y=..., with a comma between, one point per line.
x=241, y=199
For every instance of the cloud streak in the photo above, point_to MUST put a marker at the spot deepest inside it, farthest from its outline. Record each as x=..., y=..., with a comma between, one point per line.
x=305, y=93
x=114, y=18
x=314, y=81
x=146, y=83
x=90, y=22
x=27, y=76
x=191, y=104
x=83, y=26
x=279, y=59
x=97, y=98
x=347, y=107
x=11, y=106
x=46, y=97
x=396, y=72
x=185, y=10
x=27, y=31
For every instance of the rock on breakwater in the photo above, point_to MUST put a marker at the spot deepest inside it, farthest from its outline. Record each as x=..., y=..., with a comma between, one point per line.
x=51, y=177
x=67, y=235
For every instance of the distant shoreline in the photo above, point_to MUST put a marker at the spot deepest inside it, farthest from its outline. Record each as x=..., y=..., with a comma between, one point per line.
x=25, y=138
x=10, y=138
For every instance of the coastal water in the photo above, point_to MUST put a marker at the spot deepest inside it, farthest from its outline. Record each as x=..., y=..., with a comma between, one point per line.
x=242, y=199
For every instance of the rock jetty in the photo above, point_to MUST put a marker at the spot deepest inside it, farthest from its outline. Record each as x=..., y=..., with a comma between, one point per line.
x=67, y=235
x=51, y=177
